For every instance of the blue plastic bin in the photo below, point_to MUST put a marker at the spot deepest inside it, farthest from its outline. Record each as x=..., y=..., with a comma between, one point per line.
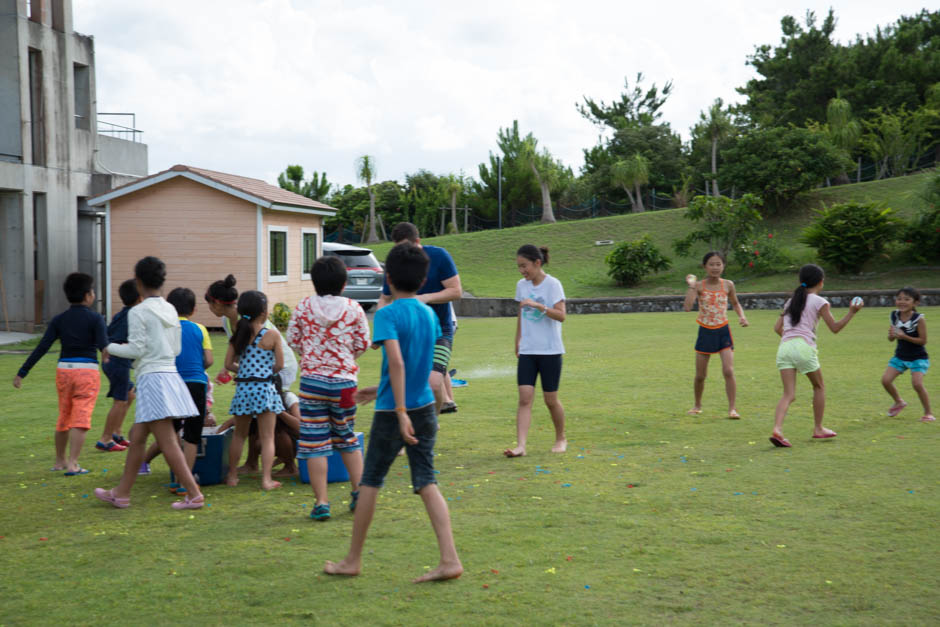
x=335, y=469
x=211, y=465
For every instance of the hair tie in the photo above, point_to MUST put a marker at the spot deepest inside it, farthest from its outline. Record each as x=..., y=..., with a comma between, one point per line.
x=802, y=284
x=246, y=317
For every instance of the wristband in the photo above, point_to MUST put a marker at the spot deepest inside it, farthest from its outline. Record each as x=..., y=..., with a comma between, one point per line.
x=404, y=409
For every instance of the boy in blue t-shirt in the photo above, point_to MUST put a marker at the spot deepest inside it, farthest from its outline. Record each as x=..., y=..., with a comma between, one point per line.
x=404, y=412
x=194, y=358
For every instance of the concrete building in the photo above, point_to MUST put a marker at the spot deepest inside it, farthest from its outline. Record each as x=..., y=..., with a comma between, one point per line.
x=205, y=225
x=55, y=153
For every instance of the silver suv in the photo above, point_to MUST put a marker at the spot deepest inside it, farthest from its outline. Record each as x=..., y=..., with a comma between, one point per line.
x=365, y=275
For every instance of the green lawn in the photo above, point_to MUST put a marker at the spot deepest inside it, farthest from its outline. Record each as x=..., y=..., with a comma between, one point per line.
x=652, y=516
x=486, y=259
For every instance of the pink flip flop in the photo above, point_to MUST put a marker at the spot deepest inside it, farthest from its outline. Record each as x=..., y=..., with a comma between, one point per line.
x=779, y=441
x=188, y=503
x=831, y=434
x=928, y=418
x=895, y=409
x=108, y=497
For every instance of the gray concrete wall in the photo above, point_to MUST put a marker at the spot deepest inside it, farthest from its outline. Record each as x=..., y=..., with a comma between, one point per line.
x=120, y=156
x=507, y=307
x=11, y=141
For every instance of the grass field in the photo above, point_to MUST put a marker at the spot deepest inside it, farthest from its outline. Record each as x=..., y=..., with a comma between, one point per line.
x=486, y=259
x=652, y=516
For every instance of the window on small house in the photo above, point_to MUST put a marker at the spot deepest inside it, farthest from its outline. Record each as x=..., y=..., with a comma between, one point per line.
x=309, y=252
x=277, y=253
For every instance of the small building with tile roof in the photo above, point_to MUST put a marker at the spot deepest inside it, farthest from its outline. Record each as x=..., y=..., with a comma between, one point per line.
x=205, y=225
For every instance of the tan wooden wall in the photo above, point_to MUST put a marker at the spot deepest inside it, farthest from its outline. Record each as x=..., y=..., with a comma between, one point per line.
x=294, y=289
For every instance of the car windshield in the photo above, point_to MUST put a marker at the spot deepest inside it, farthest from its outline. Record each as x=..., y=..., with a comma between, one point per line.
x=357, y=259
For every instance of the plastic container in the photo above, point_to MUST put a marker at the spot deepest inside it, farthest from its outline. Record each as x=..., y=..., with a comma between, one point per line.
x=335, y=468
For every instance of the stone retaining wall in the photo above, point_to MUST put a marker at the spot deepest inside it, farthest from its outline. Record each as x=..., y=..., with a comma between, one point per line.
x=507, y=307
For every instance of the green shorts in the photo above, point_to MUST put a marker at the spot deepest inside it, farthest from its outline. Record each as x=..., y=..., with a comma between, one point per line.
x=797, y=354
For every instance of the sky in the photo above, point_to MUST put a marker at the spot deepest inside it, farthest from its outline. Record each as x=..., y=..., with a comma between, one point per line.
x=250, y=86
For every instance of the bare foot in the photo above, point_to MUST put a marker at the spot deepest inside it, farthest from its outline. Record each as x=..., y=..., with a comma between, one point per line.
x=442, y=573
x=270, y=485
x=519, y=451
x=733, y=414
x=342, y=568
x=59, y=466
x=247, y=470
x=560, y=446
x=695, y=411
x=285, y=472
x=231, y=480
x=401, y=452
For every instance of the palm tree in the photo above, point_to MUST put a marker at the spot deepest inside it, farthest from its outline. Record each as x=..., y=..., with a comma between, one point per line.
x=843, y=129
x=453, y=186
x=365, y=172
x=717, y=126
x=546, y=174
x=633, y=172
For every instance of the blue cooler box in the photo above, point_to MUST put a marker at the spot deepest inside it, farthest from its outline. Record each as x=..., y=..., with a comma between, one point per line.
x=335, y=469
x=211, y=465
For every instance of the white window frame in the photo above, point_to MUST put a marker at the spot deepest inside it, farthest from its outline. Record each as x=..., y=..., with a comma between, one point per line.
x=305, y=272
x=286, y=232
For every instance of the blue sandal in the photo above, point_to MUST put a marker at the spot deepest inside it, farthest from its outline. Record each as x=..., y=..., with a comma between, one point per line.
x=355, y=499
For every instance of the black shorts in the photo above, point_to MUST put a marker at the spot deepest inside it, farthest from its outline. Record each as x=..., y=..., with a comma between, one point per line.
x=192, y=426
x=711, y=341
x=532, y=366
x=118, y=372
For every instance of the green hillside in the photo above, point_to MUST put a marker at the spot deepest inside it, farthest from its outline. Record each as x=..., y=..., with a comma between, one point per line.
x=487, y=264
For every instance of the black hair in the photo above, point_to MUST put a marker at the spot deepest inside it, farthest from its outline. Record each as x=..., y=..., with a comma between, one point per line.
x=406, y=267
x=713, y=253
x=533, y=253
x=328, y=274
x=76, y=286
x=811, y=275
x=128, y=293
x=151, y=272
x=405, y=231
x=251, y=305
x=909, y=291
x=183, y=299
x=223, y=292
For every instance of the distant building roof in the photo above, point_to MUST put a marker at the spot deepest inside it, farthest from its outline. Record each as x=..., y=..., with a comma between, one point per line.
x=252, y=190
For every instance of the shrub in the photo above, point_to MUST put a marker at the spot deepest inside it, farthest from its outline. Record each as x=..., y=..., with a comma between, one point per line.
x=630, y=262
x=922, y=235
x=779, y=163
x=281, y=316
x=848, y=235
x=761, y=254
x=725, y=223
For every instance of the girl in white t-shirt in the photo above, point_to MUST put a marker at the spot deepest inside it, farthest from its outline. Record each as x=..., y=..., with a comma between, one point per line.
x=538, y=345
x=796, y=327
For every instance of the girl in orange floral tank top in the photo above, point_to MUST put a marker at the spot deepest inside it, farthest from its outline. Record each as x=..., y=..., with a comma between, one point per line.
x=713, y=294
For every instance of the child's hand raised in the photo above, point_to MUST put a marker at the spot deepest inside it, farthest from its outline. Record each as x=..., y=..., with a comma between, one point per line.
x=406, y=428
x=690, y=280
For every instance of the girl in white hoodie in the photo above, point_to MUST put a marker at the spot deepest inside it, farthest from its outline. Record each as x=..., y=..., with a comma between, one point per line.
x=153, y=342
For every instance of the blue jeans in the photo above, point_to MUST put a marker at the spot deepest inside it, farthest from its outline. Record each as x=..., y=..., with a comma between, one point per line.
x=385, y=441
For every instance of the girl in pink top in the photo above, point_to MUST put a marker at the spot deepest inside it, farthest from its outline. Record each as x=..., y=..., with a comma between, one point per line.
x=714, y=335
x=796, y=327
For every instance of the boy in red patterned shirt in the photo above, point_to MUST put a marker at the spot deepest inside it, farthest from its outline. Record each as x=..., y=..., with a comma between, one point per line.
x=330, y=332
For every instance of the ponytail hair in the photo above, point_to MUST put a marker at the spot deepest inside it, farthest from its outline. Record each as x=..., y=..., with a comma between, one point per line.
x=251, y=305
x=222, y=292
x=811, y=275
x=533, y=253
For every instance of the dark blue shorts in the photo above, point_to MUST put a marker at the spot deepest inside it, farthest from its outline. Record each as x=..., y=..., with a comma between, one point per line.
x=548, y=367
x=118, y=372
x=385, y=442
x=711, y=341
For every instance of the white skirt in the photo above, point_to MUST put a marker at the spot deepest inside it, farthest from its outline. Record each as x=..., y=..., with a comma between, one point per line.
x=162, y=395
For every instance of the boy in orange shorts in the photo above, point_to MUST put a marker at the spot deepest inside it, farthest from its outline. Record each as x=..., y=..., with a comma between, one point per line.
x=82, y=332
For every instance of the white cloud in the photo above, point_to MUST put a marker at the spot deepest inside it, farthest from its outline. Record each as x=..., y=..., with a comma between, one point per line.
x=247, y=87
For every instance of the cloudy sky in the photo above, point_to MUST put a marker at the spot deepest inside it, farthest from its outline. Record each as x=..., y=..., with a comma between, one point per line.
x=249, y=86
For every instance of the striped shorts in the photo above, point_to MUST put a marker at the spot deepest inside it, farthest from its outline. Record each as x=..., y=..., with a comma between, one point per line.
x=327, y=416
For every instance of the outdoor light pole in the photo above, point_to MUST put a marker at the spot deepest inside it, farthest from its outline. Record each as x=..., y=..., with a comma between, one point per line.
x=499, y=189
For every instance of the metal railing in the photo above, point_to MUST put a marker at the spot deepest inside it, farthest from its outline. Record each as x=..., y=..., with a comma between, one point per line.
x=120, y=131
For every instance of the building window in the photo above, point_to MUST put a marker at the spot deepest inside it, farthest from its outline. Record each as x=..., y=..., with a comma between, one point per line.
x=308, y=251
x=82, y=96
x=277, y=253
x=37, y=121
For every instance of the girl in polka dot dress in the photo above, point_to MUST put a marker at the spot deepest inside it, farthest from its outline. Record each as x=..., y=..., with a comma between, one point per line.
x=255, y=353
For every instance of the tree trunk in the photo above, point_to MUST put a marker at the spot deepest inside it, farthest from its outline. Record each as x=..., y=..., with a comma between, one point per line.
x=630, y=196
x=453, y=211
x=638, y=207
x=373, y=235
x=714, y=166
x=547, y=214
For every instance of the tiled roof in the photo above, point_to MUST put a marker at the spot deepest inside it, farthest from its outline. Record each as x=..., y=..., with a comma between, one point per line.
x=255, y=188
